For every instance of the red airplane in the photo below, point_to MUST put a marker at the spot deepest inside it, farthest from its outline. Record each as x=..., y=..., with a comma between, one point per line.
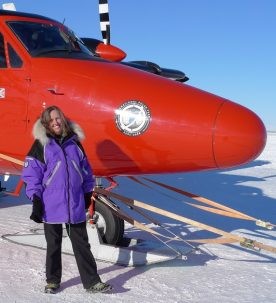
x=138, y=118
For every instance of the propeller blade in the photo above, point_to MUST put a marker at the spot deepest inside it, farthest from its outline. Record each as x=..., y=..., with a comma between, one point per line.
x=104, y=20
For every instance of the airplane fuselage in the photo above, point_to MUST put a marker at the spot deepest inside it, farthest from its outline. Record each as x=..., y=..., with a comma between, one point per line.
x=135, y=122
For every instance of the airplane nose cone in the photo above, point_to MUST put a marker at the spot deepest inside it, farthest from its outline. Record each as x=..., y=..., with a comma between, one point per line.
x=239, y=135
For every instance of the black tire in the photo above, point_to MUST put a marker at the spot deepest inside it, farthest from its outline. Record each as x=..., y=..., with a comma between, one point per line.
x=110, y=226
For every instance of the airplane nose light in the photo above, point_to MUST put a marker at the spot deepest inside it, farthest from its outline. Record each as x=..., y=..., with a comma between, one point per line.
x=239, y=136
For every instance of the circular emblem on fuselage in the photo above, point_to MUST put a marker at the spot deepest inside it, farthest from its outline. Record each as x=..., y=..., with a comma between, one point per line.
x=132, y=118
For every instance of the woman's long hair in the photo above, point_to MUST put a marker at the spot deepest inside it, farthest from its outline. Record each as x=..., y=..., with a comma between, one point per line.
x=45, y=120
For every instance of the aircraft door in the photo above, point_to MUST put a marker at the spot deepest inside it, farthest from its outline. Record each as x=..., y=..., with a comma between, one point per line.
x=43, y=90
x=14, y=86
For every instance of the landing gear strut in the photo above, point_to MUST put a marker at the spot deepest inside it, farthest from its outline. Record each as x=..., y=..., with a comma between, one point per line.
x=109, y=225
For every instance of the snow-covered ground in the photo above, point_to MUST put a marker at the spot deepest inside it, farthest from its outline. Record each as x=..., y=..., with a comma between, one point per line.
x=220, y=273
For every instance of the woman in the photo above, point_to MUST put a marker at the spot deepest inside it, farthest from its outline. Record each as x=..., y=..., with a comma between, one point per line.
x=59, y=181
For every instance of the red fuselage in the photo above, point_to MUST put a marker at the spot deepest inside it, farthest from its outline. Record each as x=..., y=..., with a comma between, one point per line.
x=135, y=122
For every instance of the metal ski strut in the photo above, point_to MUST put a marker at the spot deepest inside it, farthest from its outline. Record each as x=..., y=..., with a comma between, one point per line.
x=140, y=253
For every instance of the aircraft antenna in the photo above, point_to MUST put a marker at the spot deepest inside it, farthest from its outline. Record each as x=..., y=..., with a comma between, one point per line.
x=104, y=20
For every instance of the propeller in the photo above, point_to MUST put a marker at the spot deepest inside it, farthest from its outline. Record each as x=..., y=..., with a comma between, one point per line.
x=104, y=20
x=108, y=51
x=104, y=49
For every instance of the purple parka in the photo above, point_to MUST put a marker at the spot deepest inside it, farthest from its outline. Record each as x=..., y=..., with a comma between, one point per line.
x=59, y=174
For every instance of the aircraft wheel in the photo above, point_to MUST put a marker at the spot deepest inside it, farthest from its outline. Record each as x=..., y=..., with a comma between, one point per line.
x=111, y=227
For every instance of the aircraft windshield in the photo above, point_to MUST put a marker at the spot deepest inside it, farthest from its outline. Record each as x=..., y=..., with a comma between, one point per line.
x=44, y=39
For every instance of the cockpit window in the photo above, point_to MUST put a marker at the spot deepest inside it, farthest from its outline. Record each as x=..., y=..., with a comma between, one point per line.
x=15, y=60
x=3, y=61
x=41, y=39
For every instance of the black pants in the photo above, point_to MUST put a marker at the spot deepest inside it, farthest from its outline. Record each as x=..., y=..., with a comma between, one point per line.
x=85, y=261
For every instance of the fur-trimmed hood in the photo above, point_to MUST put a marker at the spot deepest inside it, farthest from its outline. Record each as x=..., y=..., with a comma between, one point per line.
x=39, y=132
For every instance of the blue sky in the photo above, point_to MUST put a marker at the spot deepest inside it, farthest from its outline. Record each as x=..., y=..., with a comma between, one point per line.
x=225, y=47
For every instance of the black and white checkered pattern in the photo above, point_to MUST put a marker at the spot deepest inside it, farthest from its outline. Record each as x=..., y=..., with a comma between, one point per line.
x=104, y=20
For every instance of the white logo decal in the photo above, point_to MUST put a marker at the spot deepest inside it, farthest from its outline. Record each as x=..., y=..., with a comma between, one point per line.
x=2, y=93
x=132, y=118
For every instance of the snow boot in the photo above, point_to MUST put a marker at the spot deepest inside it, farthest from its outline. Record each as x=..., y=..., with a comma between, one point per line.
x=51, y=288
x=99, y=287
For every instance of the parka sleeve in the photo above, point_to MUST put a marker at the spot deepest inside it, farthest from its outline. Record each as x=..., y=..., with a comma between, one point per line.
x=87, y=171
x=33, y=172
x=88, y=178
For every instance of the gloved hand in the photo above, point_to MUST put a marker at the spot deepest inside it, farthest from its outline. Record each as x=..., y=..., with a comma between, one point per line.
x=37, y=210
x=87, y=199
